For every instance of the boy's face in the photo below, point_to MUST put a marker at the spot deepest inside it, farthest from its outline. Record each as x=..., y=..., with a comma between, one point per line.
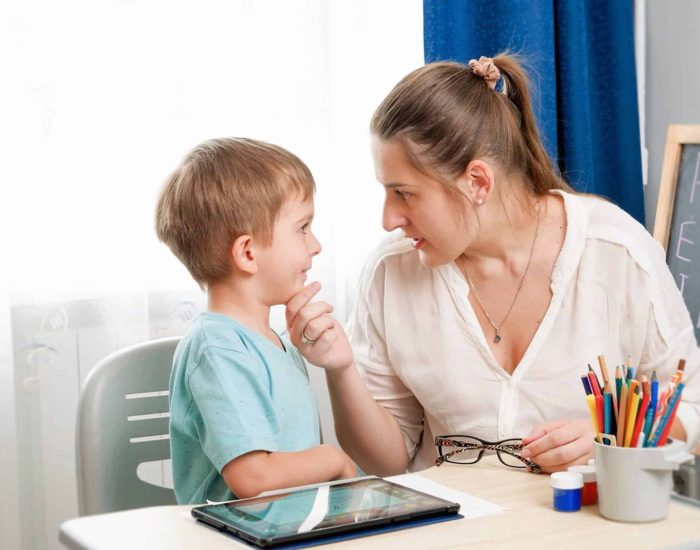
x=282, y=266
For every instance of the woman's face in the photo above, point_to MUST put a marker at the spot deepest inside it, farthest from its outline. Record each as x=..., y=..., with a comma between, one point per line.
x=420, y=206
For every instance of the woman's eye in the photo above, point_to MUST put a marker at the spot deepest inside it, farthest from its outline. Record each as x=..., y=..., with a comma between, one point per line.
x=403, y=195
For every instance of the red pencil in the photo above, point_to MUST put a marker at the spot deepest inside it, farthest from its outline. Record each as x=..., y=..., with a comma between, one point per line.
x=640, y=418
x=599, y=407
x=595, y=386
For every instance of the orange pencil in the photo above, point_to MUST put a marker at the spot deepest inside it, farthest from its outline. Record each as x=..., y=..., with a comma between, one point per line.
x=631, y=416
x=622, y=415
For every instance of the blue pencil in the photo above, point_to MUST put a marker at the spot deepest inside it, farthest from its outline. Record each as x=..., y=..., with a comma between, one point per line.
x=586, y=385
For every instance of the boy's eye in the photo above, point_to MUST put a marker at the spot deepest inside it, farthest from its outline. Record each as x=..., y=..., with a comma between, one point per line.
x=304, y=228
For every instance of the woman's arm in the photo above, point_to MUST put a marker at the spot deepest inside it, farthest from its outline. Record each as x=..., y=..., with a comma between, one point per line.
x=252, y=473
x=365, y=429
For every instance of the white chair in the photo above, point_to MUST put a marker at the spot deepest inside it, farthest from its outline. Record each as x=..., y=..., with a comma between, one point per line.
x=123, y=422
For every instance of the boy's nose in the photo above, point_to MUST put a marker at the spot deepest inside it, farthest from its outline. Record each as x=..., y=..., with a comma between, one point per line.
x=315, y=245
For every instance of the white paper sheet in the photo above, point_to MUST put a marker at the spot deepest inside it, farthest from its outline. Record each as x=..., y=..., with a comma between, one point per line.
x=470, y=506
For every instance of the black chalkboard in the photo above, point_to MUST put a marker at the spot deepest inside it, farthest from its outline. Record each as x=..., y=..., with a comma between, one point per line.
x=677, y=223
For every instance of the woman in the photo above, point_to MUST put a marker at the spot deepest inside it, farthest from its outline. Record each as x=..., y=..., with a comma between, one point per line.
x=479, y=317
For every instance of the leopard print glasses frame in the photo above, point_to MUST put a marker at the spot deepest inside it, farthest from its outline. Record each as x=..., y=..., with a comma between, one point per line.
x=510, y=447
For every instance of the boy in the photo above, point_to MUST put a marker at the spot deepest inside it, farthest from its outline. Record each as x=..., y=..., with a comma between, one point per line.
x=243, y=420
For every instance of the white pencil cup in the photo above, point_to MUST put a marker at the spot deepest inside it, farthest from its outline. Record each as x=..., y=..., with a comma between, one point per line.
x=634, y=484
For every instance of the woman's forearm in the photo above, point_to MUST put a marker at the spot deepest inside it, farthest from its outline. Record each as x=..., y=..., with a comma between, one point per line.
x=365, y=430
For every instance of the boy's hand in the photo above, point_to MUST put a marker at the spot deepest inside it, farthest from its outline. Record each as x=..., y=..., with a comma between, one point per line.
x=558, y=445
x=315, y=333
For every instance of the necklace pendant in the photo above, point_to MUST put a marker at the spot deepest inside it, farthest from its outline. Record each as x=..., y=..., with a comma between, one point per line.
x=497, y=338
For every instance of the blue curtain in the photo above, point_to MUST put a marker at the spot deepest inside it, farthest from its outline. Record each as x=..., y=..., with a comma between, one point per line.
x=580, y=58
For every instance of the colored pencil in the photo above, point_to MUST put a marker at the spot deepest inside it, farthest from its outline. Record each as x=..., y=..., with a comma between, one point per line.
x=603, y=369
x=622, y=415
x=631, y=416
x=669, y=423
x=648, y=423
x=586, y=385
x=600, y=410
x=630, y=390
x=641, y=417
x=590, y=400
x=665, y=422
x=595, y=385
x=618, y=383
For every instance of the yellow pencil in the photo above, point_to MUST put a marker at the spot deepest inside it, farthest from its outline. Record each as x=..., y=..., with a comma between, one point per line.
x=632, y=416
x=590, y=399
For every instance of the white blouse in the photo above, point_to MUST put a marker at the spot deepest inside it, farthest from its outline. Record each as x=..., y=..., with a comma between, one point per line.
x=423, y=355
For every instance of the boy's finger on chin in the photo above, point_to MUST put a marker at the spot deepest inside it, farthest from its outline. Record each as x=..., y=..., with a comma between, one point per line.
x=312, y=312
x=300, y=299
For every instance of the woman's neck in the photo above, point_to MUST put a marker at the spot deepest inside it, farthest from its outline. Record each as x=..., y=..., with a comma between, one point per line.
x=506, y=232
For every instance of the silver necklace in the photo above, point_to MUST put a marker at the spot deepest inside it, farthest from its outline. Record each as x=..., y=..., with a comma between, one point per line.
x=497, y=328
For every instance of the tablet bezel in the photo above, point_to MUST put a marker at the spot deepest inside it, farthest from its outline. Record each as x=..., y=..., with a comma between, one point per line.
x=442, y=508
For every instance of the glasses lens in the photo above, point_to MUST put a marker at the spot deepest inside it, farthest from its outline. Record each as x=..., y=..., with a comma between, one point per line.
x=514, y=446
x=466, y=449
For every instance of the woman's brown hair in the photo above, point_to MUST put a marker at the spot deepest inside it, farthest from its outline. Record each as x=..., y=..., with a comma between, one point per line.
x=445, y=116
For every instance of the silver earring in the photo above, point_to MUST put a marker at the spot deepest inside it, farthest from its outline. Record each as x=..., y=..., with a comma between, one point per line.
x=479, y=201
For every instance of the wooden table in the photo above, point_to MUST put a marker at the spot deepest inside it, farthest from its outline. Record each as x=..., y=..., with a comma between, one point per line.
x=528, y=522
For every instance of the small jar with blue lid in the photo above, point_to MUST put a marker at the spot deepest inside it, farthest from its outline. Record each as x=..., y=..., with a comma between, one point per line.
x=566, y=487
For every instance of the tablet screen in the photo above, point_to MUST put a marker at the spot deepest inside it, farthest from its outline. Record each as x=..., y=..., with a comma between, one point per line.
x=326, y=508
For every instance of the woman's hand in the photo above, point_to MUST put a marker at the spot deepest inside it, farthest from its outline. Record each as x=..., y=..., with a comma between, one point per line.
x=315, y=333
x=558, y=445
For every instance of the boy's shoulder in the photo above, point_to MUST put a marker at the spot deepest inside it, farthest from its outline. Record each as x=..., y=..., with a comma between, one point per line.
x=208, y=332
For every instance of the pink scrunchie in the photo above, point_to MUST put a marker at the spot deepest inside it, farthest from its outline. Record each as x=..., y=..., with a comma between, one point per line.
x=486, y=69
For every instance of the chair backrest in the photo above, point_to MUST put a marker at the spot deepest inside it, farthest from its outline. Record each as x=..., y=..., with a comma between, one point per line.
x=123, y=422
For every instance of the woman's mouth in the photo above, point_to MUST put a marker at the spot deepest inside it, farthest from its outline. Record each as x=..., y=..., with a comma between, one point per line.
x=417, y=243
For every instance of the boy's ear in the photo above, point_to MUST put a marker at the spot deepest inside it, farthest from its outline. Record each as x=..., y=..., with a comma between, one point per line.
x=477, y=181
x=243, y=254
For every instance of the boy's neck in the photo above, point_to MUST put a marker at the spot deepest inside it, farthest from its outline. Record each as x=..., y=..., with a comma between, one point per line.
x=242, y=306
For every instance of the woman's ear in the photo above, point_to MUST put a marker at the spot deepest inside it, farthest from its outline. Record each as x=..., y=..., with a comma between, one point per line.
x=243, y=254
x=477, y=182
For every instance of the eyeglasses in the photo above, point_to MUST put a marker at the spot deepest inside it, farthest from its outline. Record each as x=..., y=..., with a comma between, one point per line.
x=465, y=449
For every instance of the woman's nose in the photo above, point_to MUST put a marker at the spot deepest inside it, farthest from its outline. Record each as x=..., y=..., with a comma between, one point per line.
x=391, y=219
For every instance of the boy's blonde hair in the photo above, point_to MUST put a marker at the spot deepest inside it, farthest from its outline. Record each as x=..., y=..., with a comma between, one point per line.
x=225, y=188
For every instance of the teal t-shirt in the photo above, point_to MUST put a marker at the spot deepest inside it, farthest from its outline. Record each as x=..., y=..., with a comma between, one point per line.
x=233, y=391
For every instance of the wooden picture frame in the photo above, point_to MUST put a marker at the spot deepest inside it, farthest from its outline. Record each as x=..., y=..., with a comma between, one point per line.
x=677, y=136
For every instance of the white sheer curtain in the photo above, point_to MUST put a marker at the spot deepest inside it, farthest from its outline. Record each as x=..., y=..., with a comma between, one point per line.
x=100, y=100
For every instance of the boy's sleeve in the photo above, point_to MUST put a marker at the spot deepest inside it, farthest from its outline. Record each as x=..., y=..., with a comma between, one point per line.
x=232, y=396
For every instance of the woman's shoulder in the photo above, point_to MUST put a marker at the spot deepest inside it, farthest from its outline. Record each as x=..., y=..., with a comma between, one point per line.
x=608, y=224
x=393, y=249
x=392, y=262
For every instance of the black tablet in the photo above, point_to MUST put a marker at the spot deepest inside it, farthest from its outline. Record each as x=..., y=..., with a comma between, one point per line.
x=329, y=509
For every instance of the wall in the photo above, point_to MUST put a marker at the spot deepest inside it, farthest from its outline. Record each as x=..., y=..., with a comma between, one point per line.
x=672, y=80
